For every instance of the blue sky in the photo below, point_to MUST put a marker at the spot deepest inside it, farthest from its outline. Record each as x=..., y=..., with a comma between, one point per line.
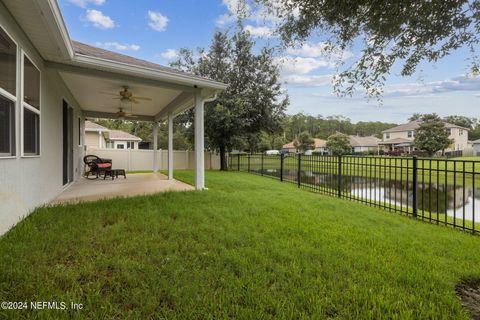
x=155, y=30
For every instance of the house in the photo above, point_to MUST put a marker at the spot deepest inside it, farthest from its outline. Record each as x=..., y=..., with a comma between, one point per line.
x=49, y=84
x=402, y=137
x=364, y=144
x=476, y=147
x=320, y=147
x=97, y=137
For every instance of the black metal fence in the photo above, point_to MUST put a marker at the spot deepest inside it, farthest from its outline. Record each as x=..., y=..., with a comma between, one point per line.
x=442, y=191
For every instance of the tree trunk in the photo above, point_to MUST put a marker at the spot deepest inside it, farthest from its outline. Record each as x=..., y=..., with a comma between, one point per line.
x=223, y=159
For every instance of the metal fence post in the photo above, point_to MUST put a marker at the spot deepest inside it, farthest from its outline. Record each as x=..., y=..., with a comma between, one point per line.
x=282, y=159
x=415, y=186
x=262, y=166
x=248, y=162
x=238, y=163
x=299, y=169
x=339, y=176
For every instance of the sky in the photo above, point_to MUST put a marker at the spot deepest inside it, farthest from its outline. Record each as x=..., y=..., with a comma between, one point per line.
x=155, y=30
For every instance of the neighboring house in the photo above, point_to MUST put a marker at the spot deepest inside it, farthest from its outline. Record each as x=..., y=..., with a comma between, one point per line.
x=49, y=84
x=98, y=137
x=364, y=144
x=476, y=147
x=402, y=137
x=320, y=147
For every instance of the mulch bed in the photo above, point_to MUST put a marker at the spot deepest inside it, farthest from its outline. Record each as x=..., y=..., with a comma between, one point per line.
x=469, y=293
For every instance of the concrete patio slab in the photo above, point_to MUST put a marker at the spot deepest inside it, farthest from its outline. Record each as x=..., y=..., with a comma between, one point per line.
x=134, y=185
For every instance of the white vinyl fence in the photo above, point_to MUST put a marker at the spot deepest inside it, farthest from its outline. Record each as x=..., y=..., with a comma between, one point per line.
x=137, y=160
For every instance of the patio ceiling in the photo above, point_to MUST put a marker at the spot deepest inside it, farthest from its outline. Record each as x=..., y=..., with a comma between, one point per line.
x=92, y=93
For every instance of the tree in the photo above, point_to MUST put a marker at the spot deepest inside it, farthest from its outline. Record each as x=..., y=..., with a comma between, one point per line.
x=304, y=142
x=431, y=136
x=339, y=144
x=462, y=121
x=415, y=117
x=253, y=102
x=404, y=31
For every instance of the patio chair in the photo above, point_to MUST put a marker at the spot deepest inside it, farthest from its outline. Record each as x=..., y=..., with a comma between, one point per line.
x=95, y=166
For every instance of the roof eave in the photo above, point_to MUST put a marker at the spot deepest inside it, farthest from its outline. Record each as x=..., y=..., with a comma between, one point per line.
x=125, y=68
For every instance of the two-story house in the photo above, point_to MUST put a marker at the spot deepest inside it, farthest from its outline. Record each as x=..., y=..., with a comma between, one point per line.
x=402, y=137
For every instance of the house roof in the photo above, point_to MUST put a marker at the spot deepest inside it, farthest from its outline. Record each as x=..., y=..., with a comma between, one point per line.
x=122, y=135
x=92, y=126
x=371, y=141
x=415, y=124
x=396, y=141
x=319, y=143
x=43, y=22
x=91, y=51
x=476, y=141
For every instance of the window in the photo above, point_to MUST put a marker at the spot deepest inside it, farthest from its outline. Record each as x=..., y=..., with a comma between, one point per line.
x=120, y=146
x=410, y=134
x=31, y=108
x=8, y=81
x=7, y=127
x=387, y=135
x=31, y=132
x=449, y=131
x=461, y=132
x=130, y=144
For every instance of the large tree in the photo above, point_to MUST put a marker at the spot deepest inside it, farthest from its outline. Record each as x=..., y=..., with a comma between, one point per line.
x=254, y=100
x=431, y=136
x=404, y=31
x=339, y=144
x=304, y=142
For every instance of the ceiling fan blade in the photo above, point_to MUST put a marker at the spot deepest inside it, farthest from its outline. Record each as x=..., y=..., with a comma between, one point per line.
x=142, y=98
x=109, y=93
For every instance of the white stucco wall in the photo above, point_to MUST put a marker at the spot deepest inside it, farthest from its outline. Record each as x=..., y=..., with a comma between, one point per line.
x=26, y=183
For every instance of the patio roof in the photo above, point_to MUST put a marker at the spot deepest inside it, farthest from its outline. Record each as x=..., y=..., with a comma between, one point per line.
x=91, y=73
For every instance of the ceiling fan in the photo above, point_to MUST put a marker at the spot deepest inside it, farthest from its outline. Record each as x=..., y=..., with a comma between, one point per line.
x=127, y=99
x=122, y=114
x=125, y=95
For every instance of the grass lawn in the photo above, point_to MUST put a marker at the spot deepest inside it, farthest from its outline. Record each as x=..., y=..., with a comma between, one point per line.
x=248, y=248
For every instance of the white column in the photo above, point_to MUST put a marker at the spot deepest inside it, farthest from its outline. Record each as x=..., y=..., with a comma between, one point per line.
x=199, y=143
x=170, y=146
x=155, y=146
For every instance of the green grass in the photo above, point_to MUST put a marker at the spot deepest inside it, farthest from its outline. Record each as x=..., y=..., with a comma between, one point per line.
x=248, y=248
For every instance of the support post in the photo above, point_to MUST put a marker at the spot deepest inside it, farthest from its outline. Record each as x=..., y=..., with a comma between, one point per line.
x=238, y=162
x=339, y=176
x=262, y=165
x=282, y=160
x=299, y=170
x=170, y=146
x=199, y=143
x=415, y=186
x=155, y=146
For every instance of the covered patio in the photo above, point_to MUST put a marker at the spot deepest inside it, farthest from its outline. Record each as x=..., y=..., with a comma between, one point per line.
x=109, y=85
x=136, y=185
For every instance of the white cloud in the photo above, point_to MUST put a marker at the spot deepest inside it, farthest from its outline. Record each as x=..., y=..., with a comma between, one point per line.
x=300, y=65
x=169, y=54
x=99, y=20
x=320, y=49
x=261, y=32
x=84, y=3
x=157, y=21
x=308, y=81
x=224, y=19
x=118, y=46
x=461, y=83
